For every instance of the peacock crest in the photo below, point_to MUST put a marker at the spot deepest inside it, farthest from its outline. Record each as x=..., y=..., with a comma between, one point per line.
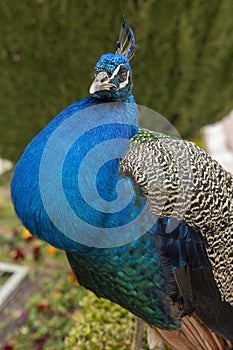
x=126, y=43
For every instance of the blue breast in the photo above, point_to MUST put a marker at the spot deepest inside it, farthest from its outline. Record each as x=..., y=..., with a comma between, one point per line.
x=66, y=187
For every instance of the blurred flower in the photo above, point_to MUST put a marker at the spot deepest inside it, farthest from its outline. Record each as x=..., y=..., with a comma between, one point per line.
x=36, y=252
x=41, y=342
x=44, y=306
x=18, y=254
x=57, y=293
x=24, y=330
x=8, y=347
x=26, y=235
x=51, y=250
x=72, y=277
x=24, y=316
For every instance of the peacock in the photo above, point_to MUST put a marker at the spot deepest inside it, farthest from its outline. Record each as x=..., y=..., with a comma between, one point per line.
x=145, y=219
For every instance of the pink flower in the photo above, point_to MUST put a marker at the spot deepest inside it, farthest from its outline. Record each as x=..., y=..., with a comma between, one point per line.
x=24, y=316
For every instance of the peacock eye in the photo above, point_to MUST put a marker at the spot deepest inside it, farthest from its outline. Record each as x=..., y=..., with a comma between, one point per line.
x=122, y=75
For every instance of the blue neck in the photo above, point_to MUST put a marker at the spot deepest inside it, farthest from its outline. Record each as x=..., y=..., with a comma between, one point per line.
x=123, y=95
x=71, y=136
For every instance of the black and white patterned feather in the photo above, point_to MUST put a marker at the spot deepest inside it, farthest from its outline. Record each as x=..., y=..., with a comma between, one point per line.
x=180, y=180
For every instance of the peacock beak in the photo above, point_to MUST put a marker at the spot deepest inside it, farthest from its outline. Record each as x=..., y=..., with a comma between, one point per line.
x=101, y=82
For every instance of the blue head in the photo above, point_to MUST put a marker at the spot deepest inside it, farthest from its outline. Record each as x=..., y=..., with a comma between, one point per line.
x=113, y=74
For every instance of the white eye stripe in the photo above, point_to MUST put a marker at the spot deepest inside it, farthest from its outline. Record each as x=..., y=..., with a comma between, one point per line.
x=116, y=71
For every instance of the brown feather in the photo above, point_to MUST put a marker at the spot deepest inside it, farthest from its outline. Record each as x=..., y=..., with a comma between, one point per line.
x=194, y=335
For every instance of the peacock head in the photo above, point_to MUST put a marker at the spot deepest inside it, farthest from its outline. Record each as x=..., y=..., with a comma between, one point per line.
x=113, y=74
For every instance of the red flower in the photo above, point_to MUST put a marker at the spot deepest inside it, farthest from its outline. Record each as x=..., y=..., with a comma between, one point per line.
x=41, y=342
x=44, y=306
x=18, y=254
x=36, y=252
x=8, y=347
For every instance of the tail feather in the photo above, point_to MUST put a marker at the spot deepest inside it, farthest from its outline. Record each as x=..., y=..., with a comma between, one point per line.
x=194, y=335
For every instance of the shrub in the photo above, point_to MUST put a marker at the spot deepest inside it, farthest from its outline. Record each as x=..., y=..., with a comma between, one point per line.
x=101, y=325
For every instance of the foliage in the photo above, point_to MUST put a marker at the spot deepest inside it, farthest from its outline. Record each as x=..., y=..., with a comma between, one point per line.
x=101, y=325
x=44, y=320
x=183, y=67
x=48, y=321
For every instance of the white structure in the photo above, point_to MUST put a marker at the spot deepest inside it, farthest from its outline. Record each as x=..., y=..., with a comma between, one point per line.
x=219, y=141
x=17, y=274
x=5, y=165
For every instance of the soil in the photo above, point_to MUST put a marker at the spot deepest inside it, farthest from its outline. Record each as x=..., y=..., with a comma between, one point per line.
x=10, y=314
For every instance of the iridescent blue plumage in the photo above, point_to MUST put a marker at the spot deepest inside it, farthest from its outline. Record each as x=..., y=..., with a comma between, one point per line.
x=143, y=262
x=109, y=64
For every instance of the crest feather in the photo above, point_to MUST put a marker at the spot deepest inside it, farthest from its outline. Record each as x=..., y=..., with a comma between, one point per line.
x=126, y=43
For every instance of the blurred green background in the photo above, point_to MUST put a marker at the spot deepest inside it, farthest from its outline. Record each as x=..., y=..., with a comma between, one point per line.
x=48, y=48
